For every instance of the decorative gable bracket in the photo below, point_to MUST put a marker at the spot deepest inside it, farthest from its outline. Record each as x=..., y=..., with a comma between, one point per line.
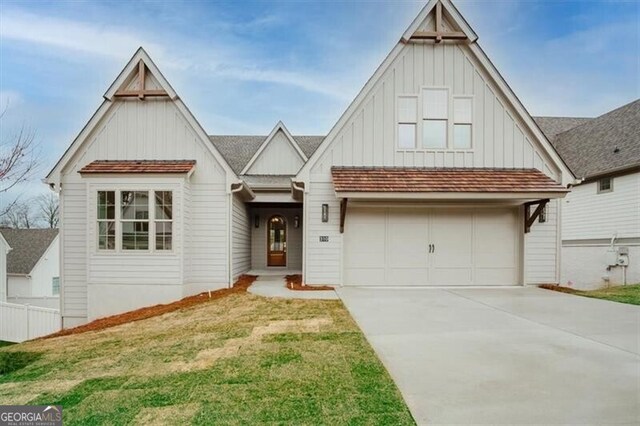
x=141, y=91
x=530, y=218
x=440, y=32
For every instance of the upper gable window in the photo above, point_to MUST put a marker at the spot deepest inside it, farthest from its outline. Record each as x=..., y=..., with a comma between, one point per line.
x=435, y=115
x=462, y=122
x=605, y=185
x=407, y=121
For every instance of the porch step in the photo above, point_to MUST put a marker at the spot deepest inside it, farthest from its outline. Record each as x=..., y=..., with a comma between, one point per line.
x=274, y=286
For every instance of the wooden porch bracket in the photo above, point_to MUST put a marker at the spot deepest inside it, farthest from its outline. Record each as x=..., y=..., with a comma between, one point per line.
x=141, y=91
x=529, y=218
x=439, y=34
x=343, y=213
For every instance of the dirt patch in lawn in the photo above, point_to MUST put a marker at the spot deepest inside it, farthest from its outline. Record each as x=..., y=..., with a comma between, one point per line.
x=294, y=282
x=240, y=286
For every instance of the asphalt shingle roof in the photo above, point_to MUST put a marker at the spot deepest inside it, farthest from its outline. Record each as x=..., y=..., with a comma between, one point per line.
x=553, y=126
x=238, y=149
x=599, y=145
x=28, y=246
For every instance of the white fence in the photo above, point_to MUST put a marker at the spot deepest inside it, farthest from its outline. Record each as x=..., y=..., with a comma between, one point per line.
x=23, y=322
x=52, y=302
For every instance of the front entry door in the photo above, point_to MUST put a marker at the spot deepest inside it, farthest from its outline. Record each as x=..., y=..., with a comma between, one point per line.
x=277, y=242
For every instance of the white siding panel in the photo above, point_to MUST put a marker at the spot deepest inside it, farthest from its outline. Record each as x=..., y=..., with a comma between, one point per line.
x=323, y=259
x=589, y=215
x=241, y=238
x=541, y=249
x=499, y=140
x=279, y=157
x=152, y=130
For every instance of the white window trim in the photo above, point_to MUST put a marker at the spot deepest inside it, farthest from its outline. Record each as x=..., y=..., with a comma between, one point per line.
x=454, y=122
x=604, y=191
x=118, y=188
x=398, y=122
x=420, y=120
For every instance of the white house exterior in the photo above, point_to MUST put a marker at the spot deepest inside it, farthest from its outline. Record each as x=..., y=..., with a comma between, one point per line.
x=601, y=215
x=434, y=175
x=32, y=267
x=5, y=248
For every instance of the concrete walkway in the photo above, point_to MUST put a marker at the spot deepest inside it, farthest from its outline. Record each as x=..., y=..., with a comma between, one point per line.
x=274, y=286
x=505, y=356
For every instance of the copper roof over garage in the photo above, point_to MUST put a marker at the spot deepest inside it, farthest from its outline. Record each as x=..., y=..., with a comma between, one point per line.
x=411, y=180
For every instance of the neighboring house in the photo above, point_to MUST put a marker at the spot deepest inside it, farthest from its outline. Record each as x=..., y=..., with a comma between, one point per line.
x=601, y=215
x=434, y=175
x=33, y=266
x=5, y=248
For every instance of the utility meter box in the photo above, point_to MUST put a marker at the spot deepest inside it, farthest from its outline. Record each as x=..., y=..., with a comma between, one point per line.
x=612, y=257
x=623, y=251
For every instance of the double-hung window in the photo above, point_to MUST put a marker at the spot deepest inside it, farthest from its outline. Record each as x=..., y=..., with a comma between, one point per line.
x=435, y=113
x=407, y=121
x=134, y=219
x=163, y=219
x=462, y=119
x=106, y=220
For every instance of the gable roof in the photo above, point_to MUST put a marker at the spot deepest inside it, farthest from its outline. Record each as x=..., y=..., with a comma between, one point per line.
x=125, y=77
x=457, y=20
x=238, y=150
x=603, y=144
x=279, y=127
x=553, y=126
x=28, y=246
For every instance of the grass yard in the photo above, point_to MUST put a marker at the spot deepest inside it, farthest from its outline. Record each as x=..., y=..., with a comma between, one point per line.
x=241, y=359
x=624, y=294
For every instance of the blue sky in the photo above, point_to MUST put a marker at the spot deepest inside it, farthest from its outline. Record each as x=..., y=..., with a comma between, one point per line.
x=242, y=66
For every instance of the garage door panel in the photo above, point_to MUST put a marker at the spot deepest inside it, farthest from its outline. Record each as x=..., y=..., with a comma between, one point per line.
x=390, y=246
x=451, y=276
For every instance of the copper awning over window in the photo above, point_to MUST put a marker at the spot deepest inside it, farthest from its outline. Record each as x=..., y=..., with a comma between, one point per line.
x=139, y=166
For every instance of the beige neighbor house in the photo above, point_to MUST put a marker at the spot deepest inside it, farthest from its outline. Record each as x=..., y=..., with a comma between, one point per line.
x=601, y=215
x=435, y=175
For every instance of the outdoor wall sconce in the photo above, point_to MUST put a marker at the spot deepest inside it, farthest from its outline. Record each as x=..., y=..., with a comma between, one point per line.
x=256, y=221
x=325, y=212
x=296, y=221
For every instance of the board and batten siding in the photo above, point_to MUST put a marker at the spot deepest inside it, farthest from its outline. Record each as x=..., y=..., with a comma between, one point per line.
x=500, y=138
x=368, y=137
x=588, y=215
x=279, y=157
x=240, y=238
x=151, y=130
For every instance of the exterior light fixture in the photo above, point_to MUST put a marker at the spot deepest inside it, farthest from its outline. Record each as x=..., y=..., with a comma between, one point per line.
x=256, y=221
x=296, y=221
x=325, y=212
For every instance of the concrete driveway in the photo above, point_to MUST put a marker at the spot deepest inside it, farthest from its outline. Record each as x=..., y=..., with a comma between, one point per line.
x=505, y=356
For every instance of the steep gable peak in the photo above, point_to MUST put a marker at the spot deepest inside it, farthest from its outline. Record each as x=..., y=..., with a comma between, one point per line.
x=140, y=79
x=279, y=128
x=439, y=20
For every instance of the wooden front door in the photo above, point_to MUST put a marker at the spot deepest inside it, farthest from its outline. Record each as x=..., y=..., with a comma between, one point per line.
x=277, y=241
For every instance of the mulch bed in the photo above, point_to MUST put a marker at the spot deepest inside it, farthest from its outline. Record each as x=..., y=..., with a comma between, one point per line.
x=294, y=282
x=240, y=286
x=556, y=287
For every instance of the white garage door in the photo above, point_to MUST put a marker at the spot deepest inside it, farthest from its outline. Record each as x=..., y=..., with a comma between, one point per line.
x=416, y=246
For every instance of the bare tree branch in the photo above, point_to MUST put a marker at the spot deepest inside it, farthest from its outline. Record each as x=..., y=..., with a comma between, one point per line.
x=48, y=209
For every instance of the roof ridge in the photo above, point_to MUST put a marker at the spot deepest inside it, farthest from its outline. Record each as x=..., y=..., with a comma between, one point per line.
x=595, y=119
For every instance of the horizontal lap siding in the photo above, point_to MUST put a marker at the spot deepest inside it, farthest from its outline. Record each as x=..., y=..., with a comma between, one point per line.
x=151, y=130
x=541, y=249
x=241, y=238
x=368, y=138
x=323, y=259
x=74, y=248
x=589, y=215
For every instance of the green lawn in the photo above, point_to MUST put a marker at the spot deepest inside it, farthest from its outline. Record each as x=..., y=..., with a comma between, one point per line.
x=241, y=359
x=623, y=294
x=3, y=343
